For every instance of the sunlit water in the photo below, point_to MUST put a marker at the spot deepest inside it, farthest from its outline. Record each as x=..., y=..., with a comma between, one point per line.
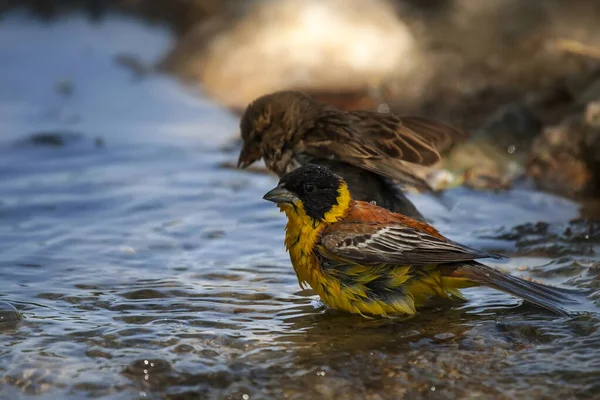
x=144, y=270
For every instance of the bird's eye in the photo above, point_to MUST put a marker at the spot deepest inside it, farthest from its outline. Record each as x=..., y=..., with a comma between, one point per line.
x=309, y=187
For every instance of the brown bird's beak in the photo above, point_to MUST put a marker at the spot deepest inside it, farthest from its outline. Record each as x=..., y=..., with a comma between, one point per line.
x=280, y=195
x=243, y=159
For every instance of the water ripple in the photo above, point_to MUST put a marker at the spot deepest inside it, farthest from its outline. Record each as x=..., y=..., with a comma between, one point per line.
x=143, y=270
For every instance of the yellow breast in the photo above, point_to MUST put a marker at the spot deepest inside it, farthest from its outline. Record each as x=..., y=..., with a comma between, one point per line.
x=301, y=235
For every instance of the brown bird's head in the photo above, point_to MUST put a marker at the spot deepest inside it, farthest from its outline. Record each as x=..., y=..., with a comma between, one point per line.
x=271, y=125
x=313, y=191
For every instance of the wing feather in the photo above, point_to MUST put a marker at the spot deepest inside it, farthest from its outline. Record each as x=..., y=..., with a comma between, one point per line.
x=372, y=244
x=401, y=149
x=442, y=136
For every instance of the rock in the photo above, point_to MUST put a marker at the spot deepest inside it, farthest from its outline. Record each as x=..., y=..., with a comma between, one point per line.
x=565, y=158
x=65, y=88
x=576, y=237
x=590, y=94
x=511, y=129
x=498, y=150
x=480, y=179
x=138, y=68
x=556, y=160
x=181, y=15
x=49, y=9
x=8, y=313
x=310, y=45
x=51, y=139
x=591, y=144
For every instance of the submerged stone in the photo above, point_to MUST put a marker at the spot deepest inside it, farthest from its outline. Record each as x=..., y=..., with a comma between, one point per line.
x=8, y=313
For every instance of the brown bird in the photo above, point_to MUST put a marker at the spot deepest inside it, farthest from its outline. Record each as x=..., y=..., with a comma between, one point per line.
x=374, y=152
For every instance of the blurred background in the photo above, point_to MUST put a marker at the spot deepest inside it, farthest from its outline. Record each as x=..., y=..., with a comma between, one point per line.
x=135, y=262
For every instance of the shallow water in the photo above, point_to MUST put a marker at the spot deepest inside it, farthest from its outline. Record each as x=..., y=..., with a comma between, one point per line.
x=144, y=270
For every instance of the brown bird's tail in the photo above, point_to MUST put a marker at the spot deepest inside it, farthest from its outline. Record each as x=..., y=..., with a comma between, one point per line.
x=552, y=298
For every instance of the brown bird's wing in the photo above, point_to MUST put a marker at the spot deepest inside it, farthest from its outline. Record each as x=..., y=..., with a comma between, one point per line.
x=414, y=139
x=442, y=136
x=390, y=137
x=344, y=144
x=372, y=236
x=397, y=148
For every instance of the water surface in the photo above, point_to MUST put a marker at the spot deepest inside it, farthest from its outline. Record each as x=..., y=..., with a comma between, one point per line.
x=145, y=270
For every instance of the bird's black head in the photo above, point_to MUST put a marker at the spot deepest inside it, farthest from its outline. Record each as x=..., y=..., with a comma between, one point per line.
x=321, y=193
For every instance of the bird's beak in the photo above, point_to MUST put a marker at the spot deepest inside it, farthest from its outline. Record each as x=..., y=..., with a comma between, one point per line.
x=243, y=159
x=280, y=195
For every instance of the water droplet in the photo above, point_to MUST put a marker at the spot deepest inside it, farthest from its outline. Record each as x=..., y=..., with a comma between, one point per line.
x=127, y=250
x=245, y=396
x=511, y=149
x=433, y=388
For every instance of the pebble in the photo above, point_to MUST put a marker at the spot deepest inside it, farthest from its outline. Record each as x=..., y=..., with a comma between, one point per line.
x=8, y=313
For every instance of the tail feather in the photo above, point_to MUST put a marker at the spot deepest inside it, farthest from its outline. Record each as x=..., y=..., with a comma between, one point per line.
x=552, y=298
